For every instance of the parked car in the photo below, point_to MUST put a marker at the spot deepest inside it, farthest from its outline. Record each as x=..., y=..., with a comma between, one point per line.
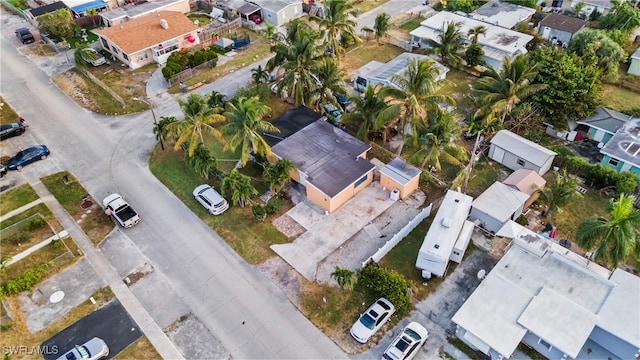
x=372, y=320
x=344, y=102
x=210, y=199
x=93, y=349
x=27, y=156
x=332, y=113
x=3, y=170
x=91, y=56
x=25, y=36
x=116, y=207
x=11, y=130
x=407, y=343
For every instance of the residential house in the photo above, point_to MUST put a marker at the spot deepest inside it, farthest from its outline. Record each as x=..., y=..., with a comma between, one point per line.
x=32, y=14
x=503, y=14
x=527, y=181
x=634, y=63
x=559, y=29
x=516, y=152
x=150, y=38
x=376, y=72
x=498, y=43
x=399, y=175
x=330, y=163
x=555, y=301
x=602, y=6
x=122, y=14
x=79, y=8
x=447, y=237
x=247, y=11
x=279, y=12
x=497, y=205
x=603, y=124
x=622, y=151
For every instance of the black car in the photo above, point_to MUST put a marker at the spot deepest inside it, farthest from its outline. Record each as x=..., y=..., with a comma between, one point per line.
x=25, y=36
x=11, y=130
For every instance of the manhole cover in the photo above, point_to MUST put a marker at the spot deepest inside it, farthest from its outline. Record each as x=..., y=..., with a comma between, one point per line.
x=56, y=297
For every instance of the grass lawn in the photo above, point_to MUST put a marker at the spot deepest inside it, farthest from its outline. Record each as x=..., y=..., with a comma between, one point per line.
x=569, y=218
x=140, y=349
x=367, y=52
x=459, y=89
x=7, y=115
x=96, y=225
x=41, y=209
x=21, y=236
x=618, y=98
x=484, y=174
x=237, y=226
x=411, y=24
x=17, y=197
x=362, y=6
x=16, y=332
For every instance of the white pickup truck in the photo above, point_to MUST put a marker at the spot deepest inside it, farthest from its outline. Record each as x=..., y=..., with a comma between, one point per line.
x=116, y=207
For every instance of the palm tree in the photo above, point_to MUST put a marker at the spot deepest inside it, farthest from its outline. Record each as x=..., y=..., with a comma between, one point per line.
x=381, y=26
x=366, y=110
x=367, y=31
x=614, y=237
x=199, y=119
x=437, y=142
x=479, y=127
x=270, y=33
x=498, y=92
x=240, y=187
x=160, y=128
x=202, y=161
x=416, y=96
x=260, y=75
x=216, y=100
x=561, y=192
x=338, y=22
x=278, y=174
x=244, y=126
x=331, y=84
x=473, y=33
x=344, y=277
x=449, y=45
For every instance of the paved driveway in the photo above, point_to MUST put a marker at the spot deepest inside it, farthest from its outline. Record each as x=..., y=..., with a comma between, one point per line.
x=111, y=323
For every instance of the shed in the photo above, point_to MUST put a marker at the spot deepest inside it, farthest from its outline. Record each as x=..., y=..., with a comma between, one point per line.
x=497, y=205
x=447, y=230
x=280, y=12
x=634, y=63
x=516, y=152
x=527, y=181
x=401, y=176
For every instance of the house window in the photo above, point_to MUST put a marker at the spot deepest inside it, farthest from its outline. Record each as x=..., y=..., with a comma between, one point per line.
x=520, y=162
x=613, y=162
x=125, y=56
x=115, y=49
x=360, y=181
x=105, y=44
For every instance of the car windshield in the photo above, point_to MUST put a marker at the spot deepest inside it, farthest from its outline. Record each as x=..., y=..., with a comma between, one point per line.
x=413, y=334
x=84, y=352
x=367, y=321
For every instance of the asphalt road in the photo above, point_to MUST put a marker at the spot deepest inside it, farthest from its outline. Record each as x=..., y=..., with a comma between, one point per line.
x=110, y=323
x=249, y=315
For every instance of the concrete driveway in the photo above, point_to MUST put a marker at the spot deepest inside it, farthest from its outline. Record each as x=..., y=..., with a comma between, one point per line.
x=111, y=323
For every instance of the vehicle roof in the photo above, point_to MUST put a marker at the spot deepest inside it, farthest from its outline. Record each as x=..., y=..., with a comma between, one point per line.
x=115, y=200
x=209, y=192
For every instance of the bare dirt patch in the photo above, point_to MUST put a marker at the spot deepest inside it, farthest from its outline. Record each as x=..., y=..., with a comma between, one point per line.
x=288, y=226
x=75, y=86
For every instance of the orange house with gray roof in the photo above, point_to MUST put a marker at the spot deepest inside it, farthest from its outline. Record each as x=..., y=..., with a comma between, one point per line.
x=149, y=39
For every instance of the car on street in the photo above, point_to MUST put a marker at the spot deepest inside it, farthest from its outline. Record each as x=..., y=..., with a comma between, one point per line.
x=93, y=349
x=332, y=113
x=372, y=320
x=25, y=35
x=91, y=56
x=407, y=343
x=11, y=130
x=208, y=197
x=27, y=156
x=120, y=210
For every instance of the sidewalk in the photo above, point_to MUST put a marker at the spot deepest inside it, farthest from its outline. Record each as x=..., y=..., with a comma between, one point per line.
x=148, y=326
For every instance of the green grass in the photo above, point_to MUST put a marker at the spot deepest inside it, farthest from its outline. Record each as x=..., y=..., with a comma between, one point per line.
x=17, y=197
x=367, y=5
x=41, y=209
x=459, y=89
x=237, y=226
x=618, y=98
x=411, y=24
x=367, y=52
x=484, y=174
x=15, y=239
x=7, y=115
x=571, y=215
x=91, y=37
x=41, y=256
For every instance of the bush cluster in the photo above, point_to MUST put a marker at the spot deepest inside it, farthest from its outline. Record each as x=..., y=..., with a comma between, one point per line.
x=24, y=282
x=35, y=223
x=386, y=283
x=180, y=60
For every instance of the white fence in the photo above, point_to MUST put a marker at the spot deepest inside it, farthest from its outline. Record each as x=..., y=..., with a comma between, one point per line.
x=391, y=243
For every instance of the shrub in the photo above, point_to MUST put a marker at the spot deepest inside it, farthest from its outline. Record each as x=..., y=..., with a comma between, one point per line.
x=386, y=283
x=35, y=223
x=522, y=220
x=180, y=60
x=627, y=182
x=259, y=212
x=24, y=282
x=601, y=176
x=18, y=238
x=272, y=207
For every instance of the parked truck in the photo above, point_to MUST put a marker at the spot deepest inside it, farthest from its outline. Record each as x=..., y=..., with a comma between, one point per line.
x=116, y=207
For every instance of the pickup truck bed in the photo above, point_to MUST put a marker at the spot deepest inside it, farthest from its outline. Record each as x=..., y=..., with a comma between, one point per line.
x=121, y=211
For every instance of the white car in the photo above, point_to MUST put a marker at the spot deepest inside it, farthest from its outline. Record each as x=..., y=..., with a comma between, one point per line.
x=407, y=343
x=93, y=349
x=372, y=320
x=92, y=57
x=210, y=199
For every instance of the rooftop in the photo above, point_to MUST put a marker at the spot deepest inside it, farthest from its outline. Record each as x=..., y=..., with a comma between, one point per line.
x=291, y=122
x=625, y=144
x=502, y=14
x=274, y=5
x=395, y=66
x=521, y=147
x=606, y=120
x=400, y=171
x=500, y=201
x=526, y=180
x=45, y=9
x=563, y=22
x=133, y=11
x=636, y=54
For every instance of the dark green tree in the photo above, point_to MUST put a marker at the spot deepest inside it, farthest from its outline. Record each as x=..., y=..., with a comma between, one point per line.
x=58, y=24
x=338, y=23
x=560, y=192
x=597, y=45
x=239, y=185
x=623, y=16
x=259, y=75
x=365, y=114
x=473, y=55
x=390, y=284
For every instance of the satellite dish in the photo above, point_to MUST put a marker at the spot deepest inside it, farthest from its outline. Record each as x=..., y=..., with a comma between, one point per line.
x=481, y=274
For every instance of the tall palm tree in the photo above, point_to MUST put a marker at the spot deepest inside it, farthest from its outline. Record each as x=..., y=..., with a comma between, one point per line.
x=338, y=22
x=437, y=143
x=366, y=110
x=614, y=237
x=160, y=128
x=345, y=277
x=260, y=75
x=270, y=33
x=199, y=119
x=381, y=26
x=561, y=192
x=331, y=83
x=240, y=187
x=216, y=100
x=475, y=32
x=498, y=92
x=244, y=126
x=449, y=45
x=416, y=96
x=278, y=174
x=202, y=161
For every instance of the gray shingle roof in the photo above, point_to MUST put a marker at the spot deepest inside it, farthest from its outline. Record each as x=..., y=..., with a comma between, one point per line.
x=563, y=22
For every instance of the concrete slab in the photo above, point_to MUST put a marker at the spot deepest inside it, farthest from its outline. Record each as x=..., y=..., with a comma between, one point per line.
x=372, y=231
x=78, y=282
x=325, y=233
x=195, y=341
x=122, y=253
x=159, y=299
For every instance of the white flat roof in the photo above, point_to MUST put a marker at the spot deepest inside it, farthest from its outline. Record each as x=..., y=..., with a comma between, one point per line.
x=400, y=171
x=500, y=201
x=623, y=301
x=521, y=147
x=398, y=65
x=504, y=14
